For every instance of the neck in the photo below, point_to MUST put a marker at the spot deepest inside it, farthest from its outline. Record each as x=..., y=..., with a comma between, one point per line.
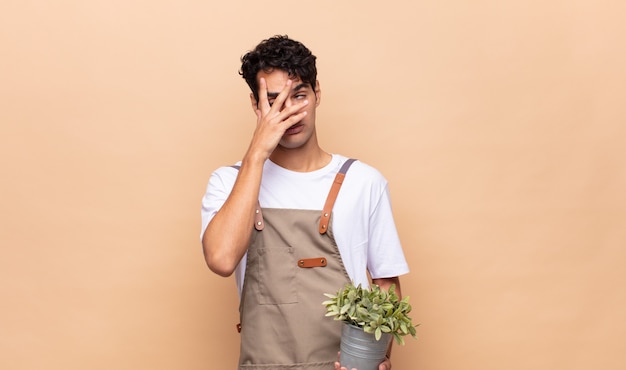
x=300, y=161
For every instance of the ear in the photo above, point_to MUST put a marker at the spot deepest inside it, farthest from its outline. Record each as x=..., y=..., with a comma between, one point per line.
x=254, y=103
x=318, y=93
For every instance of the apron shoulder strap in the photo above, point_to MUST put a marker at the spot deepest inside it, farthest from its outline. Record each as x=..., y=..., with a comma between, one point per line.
x=328, y=206
x=332, y=195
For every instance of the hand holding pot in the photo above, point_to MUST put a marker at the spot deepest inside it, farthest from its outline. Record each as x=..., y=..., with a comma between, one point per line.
x=385, y=365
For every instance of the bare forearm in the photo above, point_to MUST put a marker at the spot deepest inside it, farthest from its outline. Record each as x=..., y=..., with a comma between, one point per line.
x=227, y=236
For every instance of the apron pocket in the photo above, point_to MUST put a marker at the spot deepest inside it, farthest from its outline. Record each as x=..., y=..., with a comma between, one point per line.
x=277, y=276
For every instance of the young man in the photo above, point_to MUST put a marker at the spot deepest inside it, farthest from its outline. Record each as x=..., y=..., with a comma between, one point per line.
x=289, y=226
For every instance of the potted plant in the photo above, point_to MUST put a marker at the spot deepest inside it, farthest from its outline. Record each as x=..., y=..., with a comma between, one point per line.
x=371, y=318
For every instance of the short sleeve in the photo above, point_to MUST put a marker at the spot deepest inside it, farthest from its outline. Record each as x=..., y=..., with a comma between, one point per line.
x=217, y=191
x=385, y=255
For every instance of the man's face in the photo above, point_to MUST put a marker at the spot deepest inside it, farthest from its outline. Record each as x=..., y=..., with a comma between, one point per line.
x=300, y=134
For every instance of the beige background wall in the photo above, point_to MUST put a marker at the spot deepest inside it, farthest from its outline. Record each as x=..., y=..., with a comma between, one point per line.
x=500, y=126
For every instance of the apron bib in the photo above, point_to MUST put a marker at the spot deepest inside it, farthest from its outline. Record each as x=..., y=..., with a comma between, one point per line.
x=292, y=261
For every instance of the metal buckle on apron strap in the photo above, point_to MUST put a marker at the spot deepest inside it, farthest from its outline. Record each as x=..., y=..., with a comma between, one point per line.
x=312, y=262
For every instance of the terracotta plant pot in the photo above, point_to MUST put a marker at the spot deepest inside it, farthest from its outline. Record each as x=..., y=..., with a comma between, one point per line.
x=361, y=350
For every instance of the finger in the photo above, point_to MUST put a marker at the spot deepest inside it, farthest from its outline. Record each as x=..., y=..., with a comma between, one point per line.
x=288, y=114
x=293, y=119
x=385, y=365
x=277, y=105
x=263, y=104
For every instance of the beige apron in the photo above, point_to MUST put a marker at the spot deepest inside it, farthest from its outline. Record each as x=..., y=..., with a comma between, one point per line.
x=292, y=261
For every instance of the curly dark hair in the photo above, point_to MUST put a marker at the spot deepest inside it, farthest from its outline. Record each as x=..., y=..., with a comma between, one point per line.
x=278, y=52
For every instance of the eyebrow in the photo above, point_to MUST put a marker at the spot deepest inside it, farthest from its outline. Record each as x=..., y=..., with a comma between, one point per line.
x=273, y=95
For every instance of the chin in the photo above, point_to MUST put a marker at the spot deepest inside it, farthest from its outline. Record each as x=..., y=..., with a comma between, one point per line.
x=290, y=146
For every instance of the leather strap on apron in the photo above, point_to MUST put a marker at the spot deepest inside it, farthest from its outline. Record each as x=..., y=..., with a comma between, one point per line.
x=291, y=263
x=332, y=195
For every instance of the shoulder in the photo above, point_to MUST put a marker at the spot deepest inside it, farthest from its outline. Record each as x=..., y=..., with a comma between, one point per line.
x=225, y=176
x=227, y=170
x=364, y=173
x=363, y=182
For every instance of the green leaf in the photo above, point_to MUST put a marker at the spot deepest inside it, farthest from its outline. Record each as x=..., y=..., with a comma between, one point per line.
x=345, y=308
x=403, y=327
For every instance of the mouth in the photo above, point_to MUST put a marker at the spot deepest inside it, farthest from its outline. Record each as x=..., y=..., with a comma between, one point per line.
x=294, y=129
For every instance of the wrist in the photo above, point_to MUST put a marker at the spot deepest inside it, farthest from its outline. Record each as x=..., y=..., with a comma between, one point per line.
x=253, y=158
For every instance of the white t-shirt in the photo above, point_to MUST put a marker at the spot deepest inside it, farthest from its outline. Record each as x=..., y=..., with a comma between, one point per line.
x=362, y=220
